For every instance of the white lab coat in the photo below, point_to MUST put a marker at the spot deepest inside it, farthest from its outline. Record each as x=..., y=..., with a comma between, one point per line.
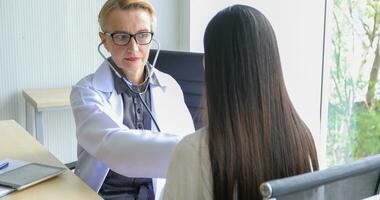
x=105, y=142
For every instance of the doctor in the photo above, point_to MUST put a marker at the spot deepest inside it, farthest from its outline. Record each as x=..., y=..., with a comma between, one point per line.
x=119, y=147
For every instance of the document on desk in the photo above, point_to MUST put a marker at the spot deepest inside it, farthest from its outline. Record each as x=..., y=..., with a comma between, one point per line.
x=18, y=174
x=5, y=190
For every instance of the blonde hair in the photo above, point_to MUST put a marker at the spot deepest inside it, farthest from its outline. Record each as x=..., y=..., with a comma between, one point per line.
x=111, y=5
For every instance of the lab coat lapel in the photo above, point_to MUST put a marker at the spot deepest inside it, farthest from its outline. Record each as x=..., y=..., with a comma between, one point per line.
x=116, y=103
x=103, y=82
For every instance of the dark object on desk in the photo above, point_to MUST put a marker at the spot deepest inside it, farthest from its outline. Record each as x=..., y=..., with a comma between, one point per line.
x=187, y=69
x=356, y=180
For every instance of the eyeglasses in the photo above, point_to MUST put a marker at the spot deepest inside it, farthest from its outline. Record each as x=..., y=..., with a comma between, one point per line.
x=121, y=38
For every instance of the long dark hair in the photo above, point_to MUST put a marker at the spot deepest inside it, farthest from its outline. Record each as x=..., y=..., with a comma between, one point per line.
x=255, y=134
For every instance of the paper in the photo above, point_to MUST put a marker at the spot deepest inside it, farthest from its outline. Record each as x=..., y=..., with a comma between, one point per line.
x=4, y=191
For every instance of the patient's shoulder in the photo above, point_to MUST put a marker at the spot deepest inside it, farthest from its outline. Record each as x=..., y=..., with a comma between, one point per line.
x=196, y=140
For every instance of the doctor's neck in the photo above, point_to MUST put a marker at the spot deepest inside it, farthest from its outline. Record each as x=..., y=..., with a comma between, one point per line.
x=137, y=77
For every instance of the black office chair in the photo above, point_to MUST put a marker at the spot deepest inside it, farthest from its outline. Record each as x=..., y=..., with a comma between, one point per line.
x=356, y=180
x=187, y=69
x=71, y=165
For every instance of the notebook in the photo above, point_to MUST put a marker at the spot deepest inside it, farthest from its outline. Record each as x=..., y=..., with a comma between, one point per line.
x=20, y=175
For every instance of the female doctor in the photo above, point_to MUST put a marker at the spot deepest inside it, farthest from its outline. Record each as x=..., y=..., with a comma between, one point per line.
x=119, y=146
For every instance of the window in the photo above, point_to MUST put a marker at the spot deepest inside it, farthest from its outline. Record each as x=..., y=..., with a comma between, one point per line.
x=353, y=60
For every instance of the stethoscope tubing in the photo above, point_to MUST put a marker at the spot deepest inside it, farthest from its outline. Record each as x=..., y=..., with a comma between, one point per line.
x=128, y=83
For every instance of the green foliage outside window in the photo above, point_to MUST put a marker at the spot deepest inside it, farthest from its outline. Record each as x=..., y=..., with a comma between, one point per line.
x=367, y=132
x=354, y=101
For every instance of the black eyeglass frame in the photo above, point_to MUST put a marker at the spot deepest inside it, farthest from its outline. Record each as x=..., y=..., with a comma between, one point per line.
x=130, y=37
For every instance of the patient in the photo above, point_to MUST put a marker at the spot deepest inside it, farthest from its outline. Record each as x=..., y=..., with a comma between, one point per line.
x=254, y=133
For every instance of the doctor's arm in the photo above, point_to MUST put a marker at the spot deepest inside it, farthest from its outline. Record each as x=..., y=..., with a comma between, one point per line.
x=133, y=153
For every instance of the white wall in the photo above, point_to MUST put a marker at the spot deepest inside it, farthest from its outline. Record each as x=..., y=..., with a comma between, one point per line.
x=46, y=44
x=299, y=32
x=184, y=24
x=168, y=23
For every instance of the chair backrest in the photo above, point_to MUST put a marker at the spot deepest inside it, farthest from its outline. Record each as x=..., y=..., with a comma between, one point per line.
x=356, y=180
x=187, y=69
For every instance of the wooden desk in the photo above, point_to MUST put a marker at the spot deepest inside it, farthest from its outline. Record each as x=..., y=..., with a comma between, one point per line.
x=44, y=100
x=16, y=143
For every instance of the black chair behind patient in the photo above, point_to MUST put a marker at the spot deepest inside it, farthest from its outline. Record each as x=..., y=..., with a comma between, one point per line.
x=187, y=69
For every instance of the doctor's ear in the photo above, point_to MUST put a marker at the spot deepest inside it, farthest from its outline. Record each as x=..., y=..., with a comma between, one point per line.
x=102, y=37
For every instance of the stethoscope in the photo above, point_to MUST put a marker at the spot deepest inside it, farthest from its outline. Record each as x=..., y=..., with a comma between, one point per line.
x=129, y=83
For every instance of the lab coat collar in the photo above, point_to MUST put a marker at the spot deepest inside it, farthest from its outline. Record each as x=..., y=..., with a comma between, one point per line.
x=103, y=80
